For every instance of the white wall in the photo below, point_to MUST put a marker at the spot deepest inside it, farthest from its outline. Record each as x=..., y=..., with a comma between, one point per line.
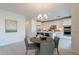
x=30, y=27
x=34, y=30
x=38, y=25
x=8, y=38
x=75, y=27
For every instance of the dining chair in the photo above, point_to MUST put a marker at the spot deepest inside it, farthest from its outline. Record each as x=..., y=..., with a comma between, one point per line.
x=31, y=46
x=56, y=40
x=46, y=49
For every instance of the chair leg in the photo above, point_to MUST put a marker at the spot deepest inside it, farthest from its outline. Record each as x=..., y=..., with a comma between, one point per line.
x=26, y=53
x=57, y=51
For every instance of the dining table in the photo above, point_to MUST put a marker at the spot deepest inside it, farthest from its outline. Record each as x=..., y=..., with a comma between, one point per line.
x=46, y=45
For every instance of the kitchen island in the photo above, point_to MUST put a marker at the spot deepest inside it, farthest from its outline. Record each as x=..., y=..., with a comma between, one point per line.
x=58, y=34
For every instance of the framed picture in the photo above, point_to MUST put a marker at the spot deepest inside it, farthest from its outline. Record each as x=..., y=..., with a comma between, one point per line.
x=10, y=25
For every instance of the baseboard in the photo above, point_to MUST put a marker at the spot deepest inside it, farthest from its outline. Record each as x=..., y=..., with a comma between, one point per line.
x=75, y=52
x=72, y=51
x=11, y=43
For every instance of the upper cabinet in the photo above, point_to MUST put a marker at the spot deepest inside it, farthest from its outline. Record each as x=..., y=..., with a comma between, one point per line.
x=67, y=22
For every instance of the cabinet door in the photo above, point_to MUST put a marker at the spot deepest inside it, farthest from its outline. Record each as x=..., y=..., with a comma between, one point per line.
x=67, y=22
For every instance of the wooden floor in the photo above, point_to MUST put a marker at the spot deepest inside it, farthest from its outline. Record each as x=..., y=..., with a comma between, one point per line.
x=19, y=49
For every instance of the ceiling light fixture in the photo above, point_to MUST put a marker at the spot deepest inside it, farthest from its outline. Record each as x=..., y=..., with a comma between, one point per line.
x=42, y=17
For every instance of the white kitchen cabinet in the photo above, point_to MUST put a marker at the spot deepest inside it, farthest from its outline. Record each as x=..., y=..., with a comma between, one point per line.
x=67, y=22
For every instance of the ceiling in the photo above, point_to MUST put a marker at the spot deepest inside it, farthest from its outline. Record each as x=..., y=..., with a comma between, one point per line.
x=53, y=10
